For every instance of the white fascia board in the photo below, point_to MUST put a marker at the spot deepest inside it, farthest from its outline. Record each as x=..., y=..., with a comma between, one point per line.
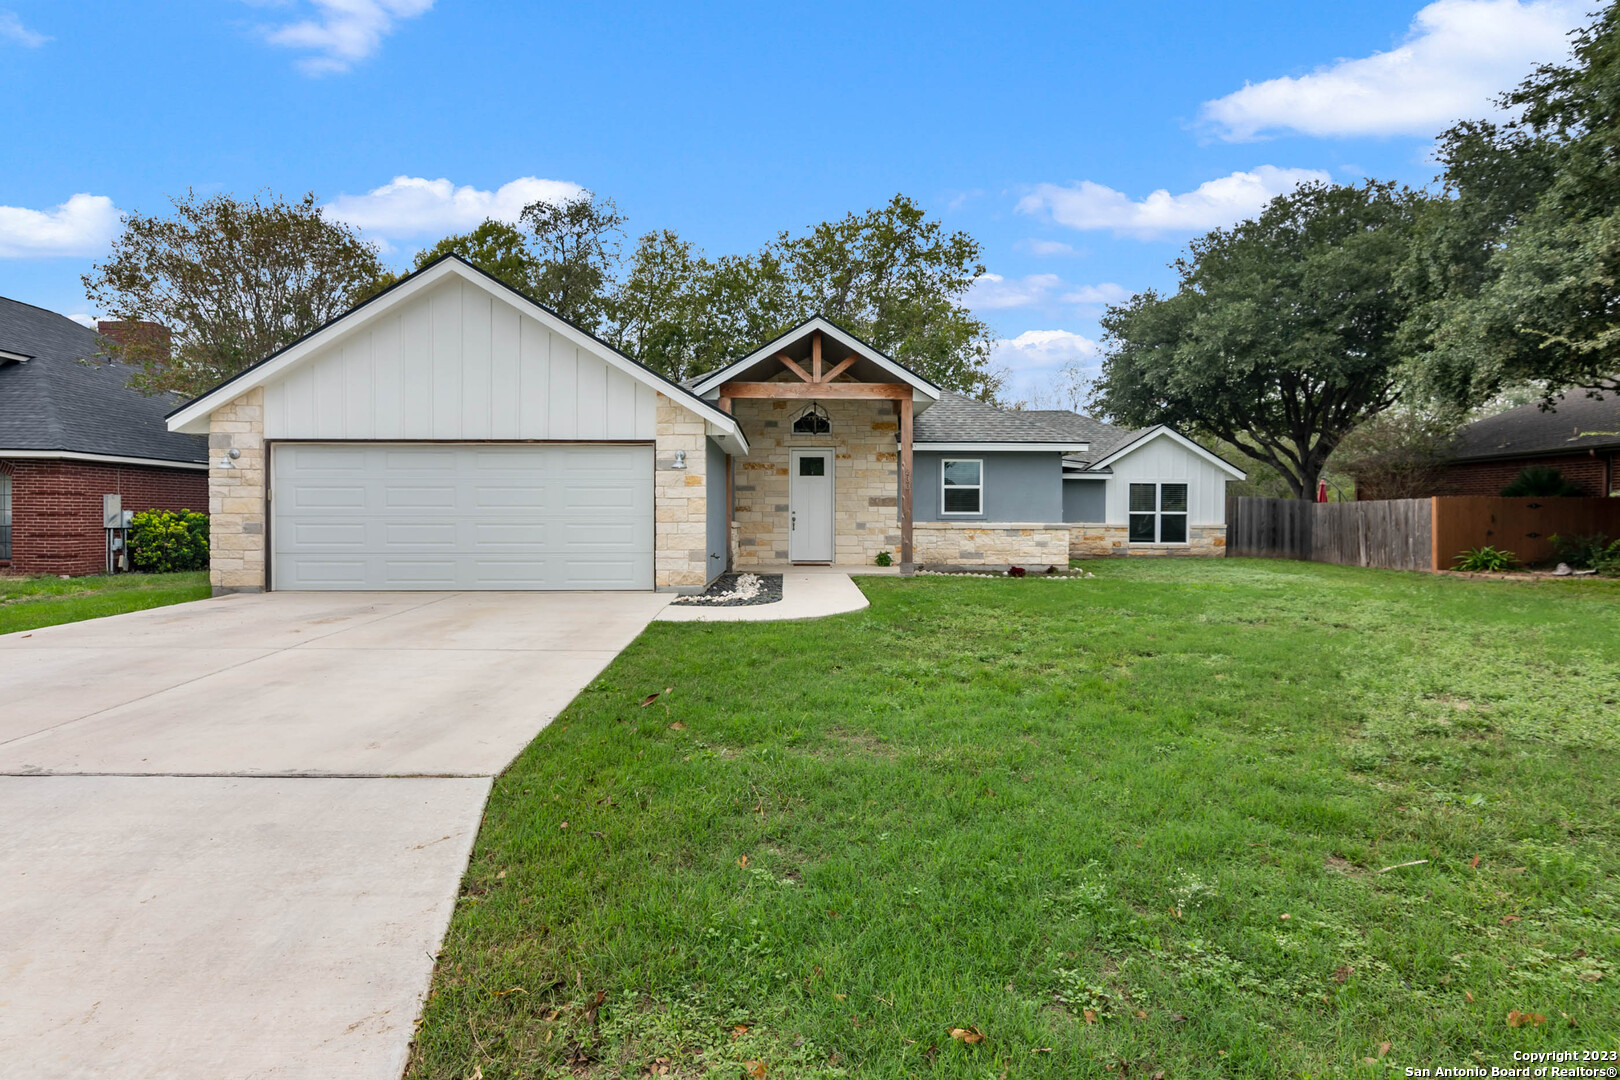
x=922, y=389
x=734, y=443
x=193, y=418
x=990, y=447
x=1171, y=433
x=106, y=459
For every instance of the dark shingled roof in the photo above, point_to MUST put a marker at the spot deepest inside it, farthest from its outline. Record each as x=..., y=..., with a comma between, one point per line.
x=954, y=418
x=64, y=399
x=1528, y=430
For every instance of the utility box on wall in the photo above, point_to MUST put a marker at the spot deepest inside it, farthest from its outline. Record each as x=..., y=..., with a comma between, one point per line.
x=112, y=511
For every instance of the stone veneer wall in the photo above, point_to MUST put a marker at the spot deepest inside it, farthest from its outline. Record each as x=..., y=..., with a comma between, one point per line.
x=680, y=501
x=951, y=543
x=1097, y=541
x=866, y=516
x=236, y=507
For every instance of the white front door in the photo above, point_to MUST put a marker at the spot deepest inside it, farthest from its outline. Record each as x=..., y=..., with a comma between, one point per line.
x=810, y=506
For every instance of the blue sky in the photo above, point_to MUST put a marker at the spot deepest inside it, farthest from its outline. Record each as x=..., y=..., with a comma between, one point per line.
x=1083, y=144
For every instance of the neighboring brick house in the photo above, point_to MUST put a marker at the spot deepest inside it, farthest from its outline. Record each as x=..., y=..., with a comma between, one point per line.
x=1579, y=436
x=71, y=431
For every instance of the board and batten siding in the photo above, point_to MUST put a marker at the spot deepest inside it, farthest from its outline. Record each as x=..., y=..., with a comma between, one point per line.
x=458, y=363
x=1163, y=460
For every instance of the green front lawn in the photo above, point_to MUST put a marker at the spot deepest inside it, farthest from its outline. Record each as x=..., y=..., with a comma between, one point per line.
x=30, y=602
x=1148, y=822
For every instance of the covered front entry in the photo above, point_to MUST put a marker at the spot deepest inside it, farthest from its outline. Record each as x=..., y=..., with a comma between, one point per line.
x=828, y=474
x=456, y=516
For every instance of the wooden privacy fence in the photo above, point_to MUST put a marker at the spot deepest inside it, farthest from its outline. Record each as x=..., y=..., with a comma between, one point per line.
x=1390, y=533
x=1410, y=534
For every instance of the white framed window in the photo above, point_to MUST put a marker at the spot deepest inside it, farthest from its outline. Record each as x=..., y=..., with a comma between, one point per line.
x=961, y=482
x=1158, y=514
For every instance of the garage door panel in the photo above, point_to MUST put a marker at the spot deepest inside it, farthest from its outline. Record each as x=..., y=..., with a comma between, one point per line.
x=462, y=516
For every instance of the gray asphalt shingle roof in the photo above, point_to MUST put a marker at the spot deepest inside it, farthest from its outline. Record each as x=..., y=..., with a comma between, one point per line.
x=1528, y=430
x=64, y=399
x=954, y=418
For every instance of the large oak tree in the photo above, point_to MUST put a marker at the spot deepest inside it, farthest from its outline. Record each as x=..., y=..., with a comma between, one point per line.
x=232, y=279
x=1282, y=336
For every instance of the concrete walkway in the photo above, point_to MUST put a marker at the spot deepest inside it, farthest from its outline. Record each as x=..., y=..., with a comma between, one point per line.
x=808, y=592
x=235, y=829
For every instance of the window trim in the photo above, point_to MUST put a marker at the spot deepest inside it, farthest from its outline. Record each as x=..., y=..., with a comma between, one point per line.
x=979, y=487
x=1159, y=514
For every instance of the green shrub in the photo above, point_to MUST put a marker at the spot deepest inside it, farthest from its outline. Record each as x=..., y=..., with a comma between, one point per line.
x=1540, y=482
x=164, y=541
x=1594, y=552
x=1486, y=560
x=884, y=559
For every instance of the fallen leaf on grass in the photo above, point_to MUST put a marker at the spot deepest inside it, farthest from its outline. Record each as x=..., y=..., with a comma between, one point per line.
x=1342, y=973
x=756, y=1070
x=512, y=990
x=648, y=700
x=743, y=862
x=738, y=1031
x=1474, y=862
x=1519, y=1019
x=1140, y=1014
x=564, y=825
x=1041, y=1050
x=1509, y=919
x=677, y=726
x=1469, y=996
x=1090, y=1015
x=968, y=1035
x=1383, y=1048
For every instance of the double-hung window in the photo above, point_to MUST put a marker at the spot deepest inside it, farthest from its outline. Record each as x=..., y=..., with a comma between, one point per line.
x=962, y=484
x=1158, y=514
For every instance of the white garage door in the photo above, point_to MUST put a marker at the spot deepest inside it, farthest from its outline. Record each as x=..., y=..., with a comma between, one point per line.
x=461, y=516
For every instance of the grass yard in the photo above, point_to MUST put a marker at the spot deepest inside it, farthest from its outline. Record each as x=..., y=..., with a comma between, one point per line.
x=27, y=603
x=1134, y=825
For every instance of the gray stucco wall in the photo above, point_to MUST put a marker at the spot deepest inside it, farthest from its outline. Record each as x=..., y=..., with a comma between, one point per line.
x=1085, y=500
x=1023, y=487
x=714, y=465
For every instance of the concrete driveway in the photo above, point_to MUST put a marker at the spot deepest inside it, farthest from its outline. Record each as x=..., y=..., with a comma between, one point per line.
x=232, y=832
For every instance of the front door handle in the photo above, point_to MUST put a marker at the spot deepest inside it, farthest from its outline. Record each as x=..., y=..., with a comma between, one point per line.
x=793, y=521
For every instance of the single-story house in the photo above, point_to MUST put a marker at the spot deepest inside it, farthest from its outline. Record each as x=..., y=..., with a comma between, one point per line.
x=71, y=431
x=1579, y=436
x=450, y=433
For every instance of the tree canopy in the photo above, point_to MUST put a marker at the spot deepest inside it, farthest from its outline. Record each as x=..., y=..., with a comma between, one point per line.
x=1282, y=334
x=1518, y=270
x=232, y=279
x=892, y=275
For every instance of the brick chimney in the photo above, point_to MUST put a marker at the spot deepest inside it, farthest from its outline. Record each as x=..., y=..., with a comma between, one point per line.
x=137, y=337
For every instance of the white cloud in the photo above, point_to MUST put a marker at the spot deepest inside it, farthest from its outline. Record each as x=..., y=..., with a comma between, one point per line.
x=1457, y=56
x=84, y=320
x=84, y=225
x=412, y=205
x=1041, y=351
x=341, y=33
x=1214, y=203
x=13, y=30
x=993, y=292
x=1106, y=293
x=1045, y=248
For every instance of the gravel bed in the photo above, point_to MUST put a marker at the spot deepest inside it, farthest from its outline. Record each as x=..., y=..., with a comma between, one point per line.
x=736, y=590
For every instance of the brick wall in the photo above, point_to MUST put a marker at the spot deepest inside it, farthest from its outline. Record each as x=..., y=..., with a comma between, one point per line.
x=56, y=509
x=1490, y=477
